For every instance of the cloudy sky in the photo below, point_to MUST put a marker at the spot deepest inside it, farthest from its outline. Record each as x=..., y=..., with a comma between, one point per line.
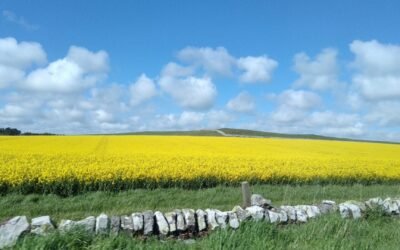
x=325, y=67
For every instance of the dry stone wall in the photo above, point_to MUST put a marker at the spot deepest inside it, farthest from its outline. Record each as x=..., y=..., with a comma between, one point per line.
x=188, y=223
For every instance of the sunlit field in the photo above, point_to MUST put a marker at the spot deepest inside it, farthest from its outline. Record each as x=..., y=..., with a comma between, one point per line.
x=73, y=164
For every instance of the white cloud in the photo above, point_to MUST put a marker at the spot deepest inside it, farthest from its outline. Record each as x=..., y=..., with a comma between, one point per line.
x=15, y=58
x=13, y=18
x=190, y=92
x=212, y=60
x=20, y=55
x=103, y=116
x=318, y=74
x=256, y=69
x=242, y=103
x=10, y=76
x=79, y=70
x=384, y=114
x=142, y=90
x=299, y=99
x=378, y=70
x=88, y=61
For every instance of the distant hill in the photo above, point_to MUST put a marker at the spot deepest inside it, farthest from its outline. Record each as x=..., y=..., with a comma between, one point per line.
x=232, y=132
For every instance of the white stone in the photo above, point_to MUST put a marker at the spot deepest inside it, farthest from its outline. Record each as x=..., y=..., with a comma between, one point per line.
x=290, y=211
x=283, y=217
x=127, y=224
x=88, y=224
x=301, y=215
x=41, y=225
x=180, y=221
x=256, y=212
x=344, y=211
x=273, y=216
x=212, y=221
x=233, y=220
x=115, y=225
x=390, y=206
x=241, y=213
x=201, y=219
x=258, y=200
x=171, y=219
x=374, y=202
x=137, y=220
x=190, y=219
x=102, y=224
x=12, y=230
x=148, y=222
x=221, y=218
x=348, y=210
x=66, y=225
x=162, y=223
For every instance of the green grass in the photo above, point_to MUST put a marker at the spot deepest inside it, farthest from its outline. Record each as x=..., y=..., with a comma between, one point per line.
x=221, y=197
x=328, y=232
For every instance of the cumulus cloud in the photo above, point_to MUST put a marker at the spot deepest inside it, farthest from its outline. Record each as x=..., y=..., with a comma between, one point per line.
x=216, y=60
x=16, y=57
x=299, y=99
x=256, y=69
x=378, y=70
x=242, y=103
x=190, y=92
x=318, y=74
x=142, y=90
x=79, y=70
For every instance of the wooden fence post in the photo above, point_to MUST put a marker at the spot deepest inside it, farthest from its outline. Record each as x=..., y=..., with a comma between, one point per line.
x=246, y=194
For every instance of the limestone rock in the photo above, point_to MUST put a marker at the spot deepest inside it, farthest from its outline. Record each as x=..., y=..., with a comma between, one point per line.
x=148, y=222
x=283, y=217
x=212, y=221
x=256, y=212
x=290, y=211
x=274, y=217
x=201, y=220
x=171, y=219
x=127, y=225
x=115, y=225
x=258, y=200
x=348, y=210
x=374, y=203
x=12, y=230
x=137, y=220
x=390, y=206
x=301, y=215
x=241, y=213
x=233, y=220
x=327, y=206
x=180, y=221
x=102, y=224
x=190, y=219
x=41, y=225
x=163, y=226
x=88, y=224
x=66, y=225
x=221, y=218
x=361, y=205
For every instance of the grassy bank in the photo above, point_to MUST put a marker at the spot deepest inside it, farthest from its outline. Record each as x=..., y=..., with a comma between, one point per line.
x=329, y=232
x=224, y=198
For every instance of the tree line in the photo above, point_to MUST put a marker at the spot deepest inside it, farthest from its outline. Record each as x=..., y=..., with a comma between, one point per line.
x=14, y=131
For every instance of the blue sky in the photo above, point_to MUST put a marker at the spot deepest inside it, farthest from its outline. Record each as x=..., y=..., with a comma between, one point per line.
x=323, y=67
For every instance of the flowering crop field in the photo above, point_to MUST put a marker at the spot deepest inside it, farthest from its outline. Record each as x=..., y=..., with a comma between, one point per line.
x=72, y=164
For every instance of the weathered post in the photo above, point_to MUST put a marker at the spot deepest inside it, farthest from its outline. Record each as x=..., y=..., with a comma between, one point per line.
x=246, y=194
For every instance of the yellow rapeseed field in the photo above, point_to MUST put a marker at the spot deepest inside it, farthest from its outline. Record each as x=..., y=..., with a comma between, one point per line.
x=51, y=163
